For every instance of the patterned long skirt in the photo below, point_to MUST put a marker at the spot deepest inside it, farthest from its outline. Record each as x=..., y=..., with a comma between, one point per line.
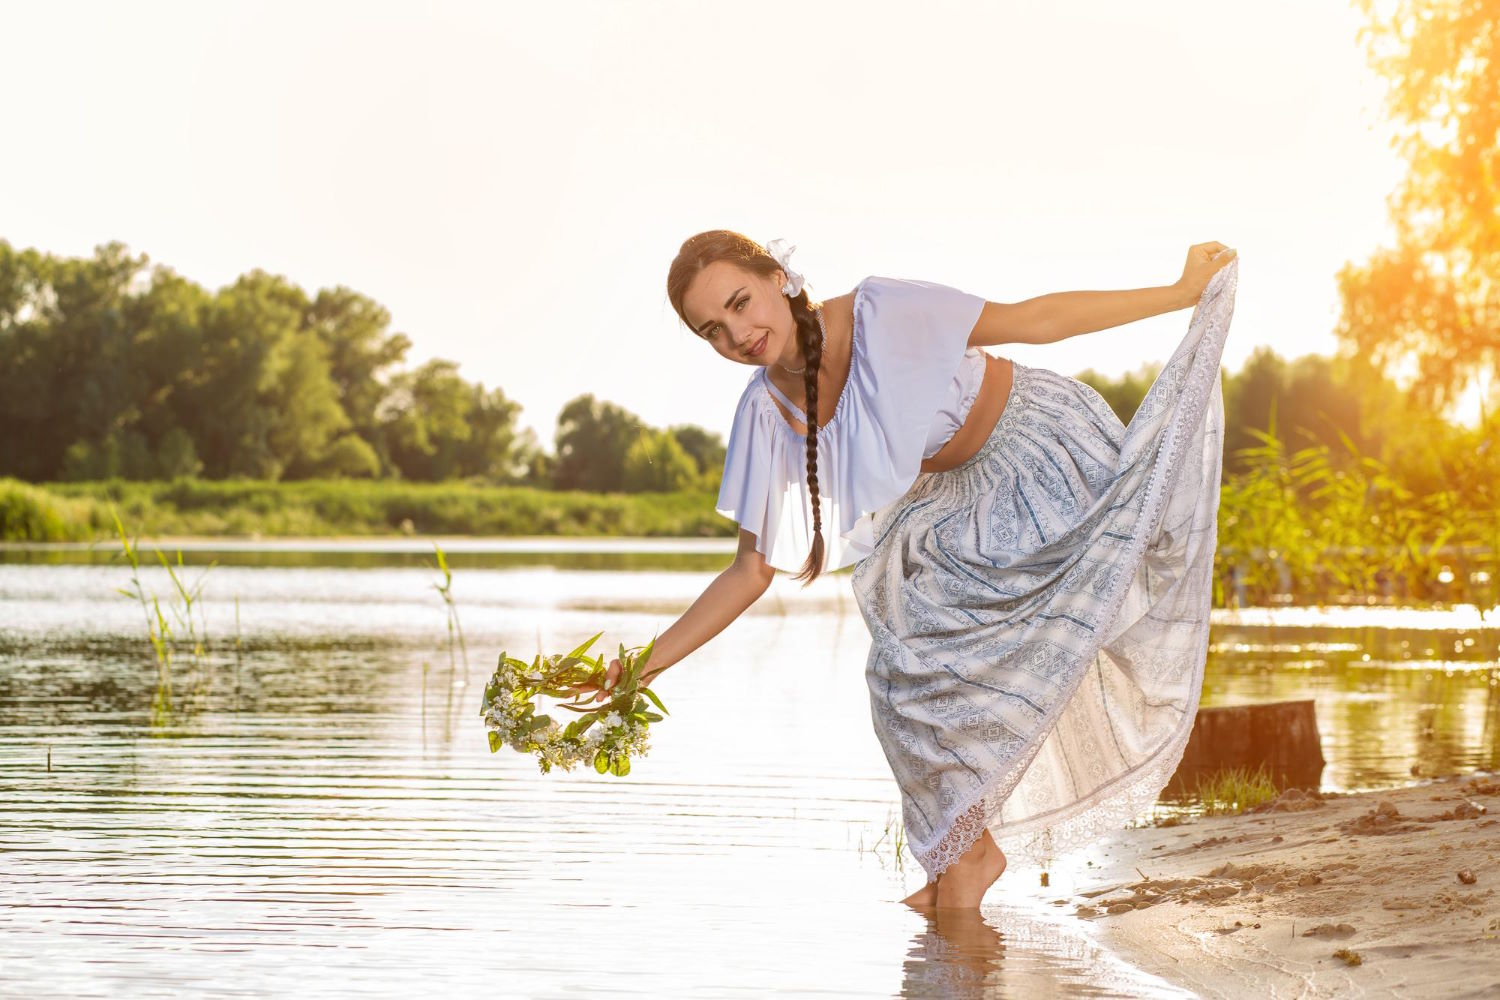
x=1039, y=614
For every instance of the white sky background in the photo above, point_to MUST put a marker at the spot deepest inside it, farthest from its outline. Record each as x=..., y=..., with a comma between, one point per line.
x=512, y=180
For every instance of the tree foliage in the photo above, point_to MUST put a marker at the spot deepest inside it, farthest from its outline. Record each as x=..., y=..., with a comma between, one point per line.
x=657, y=462
x=1431, y=301
x=109, y=368
x=1309, y=400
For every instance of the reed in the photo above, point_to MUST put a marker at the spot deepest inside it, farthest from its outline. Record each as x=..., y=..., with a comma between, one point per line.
x=455, y=628
x=1314, y=526
x=894, y=831
x=158, y=631
x=166, y=640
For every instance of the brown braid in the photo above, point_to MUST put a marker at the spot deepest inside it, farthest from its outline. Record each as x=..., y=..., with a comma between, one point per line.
x=810, y=339
x=705, y=248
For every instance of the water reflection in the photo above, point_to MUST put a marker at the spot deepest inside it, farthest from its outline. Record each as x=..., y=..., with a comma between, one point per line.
x=328, y=817
x=1009, y=951
x=1392, y=702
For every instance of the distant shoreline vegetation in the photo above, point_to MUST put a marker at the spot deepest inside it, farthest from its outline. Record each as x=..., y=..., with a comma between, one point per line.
x=1295, y=527
x=79, y=512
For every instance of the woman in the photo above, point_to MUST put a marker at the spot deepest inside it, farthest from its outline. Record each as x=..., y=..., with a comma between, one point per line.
x=1035, y=575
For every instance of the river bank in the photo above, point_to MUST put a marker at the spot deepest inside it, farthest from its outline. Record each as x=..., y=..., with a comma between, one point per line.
x=1388, y=893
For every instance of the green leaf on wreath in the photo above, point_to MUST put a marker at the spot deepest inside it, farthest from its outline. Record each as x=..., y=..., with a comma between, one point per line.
x=620, y=767
x=601, y=762
x=584, y=648
x=494, y=741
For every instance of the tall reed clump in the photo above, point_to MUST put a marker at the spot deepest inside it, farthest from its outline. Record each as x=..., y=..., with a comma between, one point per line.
x=1320, y=526
x=189, y=634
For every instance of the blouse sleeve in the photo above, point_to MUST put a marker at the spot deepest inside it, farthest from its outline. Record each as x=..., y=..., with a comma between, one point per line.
x=909, y=341
x=756, y=482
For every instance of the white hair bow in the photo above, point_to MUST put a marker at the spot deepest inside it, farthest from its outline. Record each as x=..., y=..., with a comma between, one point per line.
x=783, y=255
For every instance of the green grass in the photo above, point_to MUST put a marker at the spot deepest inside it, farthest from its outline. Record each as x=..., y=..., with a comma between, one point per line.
x=79, y=511
x=1231, y=791
x=34, y=514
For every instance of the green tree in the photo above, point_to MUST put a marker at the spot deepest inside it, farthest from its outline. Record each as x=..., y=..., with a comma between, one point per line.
x=1431, y=297
x=656, y=462
x=425, y=421
x=167, y=319
x=493, y=450
x=266, y=404
x=26, y=361
x=706, y=448
x=1123, y=394
x=535, y=465
x=176, y=455
x=67, y=356
x=349, y=457
x=592, y=439
x=355, y=331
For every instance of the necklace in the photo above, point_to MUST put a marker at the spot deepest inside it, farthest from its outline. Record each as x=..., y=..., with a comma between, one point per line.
x=799, y=371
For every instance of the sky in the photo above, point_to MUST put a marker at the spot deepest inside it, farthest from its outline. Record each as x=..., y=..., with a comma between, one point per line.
x=512, y=180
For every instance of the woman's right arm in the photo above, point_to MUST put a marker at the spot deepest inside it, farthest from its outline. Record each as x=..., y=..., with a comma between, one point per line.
x=733, y=591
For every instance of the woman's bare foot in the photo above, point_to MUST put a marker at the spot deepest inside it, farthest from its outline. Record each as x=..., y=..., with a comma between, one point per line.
x=963, y=883
x=925, y=897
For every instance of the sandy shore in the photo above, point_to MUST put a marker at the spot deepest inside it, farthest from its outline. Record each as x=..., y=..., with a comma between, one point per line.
x=1389, y=893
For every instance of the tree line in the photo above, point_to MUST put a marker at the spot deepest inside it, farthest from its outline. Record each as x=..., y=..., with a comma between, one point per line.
x=110, y=369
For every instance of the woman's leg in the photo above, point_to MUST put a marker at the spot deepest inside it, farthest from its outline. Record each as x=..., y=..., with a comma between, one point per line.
x=964, y=882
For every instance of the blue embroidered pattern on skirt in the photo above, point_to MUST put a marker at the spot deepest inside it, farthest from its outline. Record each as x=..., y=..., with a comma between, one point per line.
x=1039, y=614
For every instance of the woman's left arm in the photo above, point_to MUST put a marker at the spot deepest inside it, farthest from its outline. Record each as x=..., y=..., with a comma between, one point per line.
x=1056, y=316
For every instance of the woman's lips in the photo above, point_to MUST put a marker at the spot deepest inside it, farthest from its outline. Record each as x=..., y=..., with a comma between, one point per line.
x=759, y=346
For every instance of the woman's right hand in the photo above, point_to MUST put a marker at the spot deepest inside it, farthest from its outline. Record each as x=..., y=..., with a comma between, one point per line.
x=611, y=678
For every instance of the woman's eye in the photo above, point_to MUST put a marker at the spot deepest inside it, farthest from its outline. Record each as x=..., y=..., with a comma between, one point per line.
x=715, y=328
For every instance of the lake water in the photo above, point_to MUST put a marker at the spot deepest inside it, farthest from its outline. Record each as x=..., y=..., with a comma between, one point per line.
x=323, y=814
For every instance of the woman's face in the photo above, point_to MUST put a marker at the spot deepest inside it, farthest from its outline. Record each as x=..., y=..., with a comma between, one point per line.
x=736, y=312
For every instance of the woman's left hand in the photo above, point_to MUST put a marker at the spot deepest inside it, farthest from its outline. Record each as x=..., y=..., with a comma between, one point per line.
x=1203, y=260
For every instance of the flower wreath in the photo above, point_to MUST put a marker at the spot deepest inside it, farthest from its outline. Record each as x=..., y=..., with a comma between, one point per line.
x=510, y=713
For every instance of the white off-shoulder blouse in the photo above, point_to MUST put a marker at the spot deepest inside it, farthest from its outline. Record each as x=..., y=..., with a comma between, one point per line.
x=912, y=379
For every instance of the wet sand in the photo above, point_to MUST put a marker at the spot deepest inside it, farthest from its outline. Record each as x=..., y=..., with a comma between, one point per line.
x=1390, y=893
